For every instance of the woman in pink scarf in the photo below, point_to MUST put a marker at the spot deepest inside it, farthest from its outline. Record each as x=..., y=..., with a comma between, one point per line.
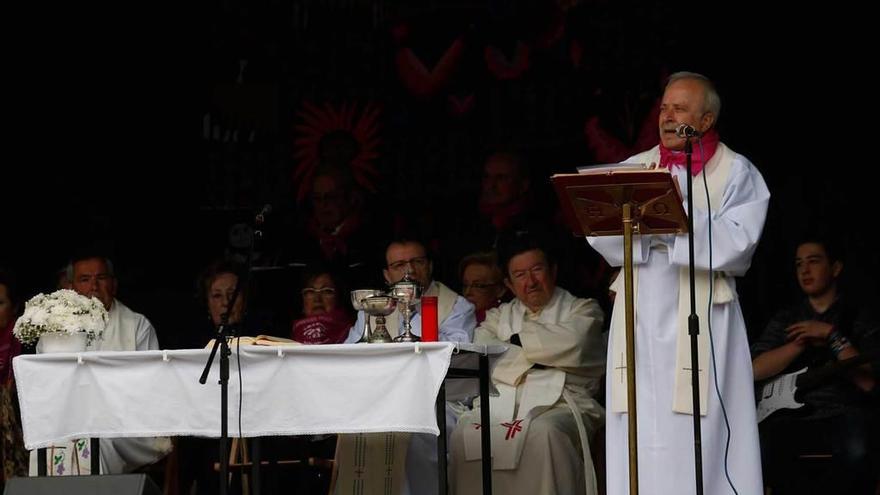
x=326, y=319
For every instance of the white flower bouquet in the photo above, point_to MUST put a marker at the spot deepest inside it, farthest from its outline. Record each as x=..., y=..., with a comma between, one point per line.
x=61, y=311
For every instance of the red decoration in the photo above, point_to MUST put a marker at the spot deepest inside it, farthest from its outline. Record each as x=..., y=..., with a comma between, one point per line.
x=503, y=69
x=318, y=122
x=512, y=429
x=608, y=148
x=420, y=81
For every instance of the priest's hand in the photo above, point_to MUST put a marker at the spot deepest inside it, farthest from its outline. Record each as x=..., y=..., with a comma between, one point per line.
x=810, y=332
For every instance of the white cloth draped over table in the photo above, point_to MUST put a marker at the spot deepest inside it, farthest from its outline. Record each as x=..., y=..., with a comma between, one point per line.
x=296, y=390
x=126, y=330
x=739, y=199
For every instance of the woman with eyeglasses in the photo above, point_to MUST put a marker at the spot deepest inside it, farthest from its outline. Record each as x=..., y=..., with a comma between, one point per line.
x=213, y=288
x=481, y=282
x=326, y=319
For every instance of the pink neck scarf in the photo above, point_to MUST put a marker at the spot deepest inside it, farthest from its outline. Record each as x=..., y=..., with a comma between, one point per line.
x=674, y=158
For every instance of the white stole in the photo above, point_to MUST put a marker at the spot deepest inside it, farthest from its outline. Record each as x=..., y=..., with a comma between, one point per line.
x=716, y=172
x=69, y=458
x=120, y=332
x=371, y=463
x=511, y=412
x=509, y=423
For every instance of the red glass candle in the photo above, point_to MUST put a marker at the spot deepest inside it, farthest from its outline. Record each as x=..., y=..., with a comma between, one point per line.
x=429, y=319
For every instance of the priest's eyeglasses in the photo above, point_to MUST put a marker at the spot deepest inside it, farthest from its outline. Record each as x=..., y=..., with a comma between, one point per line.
x=323, y=291
x=418, y=262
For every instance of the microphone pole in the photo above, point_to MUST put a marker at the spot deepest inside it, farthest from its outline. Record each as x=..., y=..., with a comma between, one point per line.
x=224, y=331
x=694, y=322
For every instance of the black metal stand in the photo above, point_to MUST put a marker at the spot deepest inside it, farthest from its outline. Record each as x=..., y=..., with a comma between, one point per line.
x=442, y=448
x=96, y=455
x=481, y=373
x=41, y=462
x=224, y=331
x=694, y=324
x=485, y=439
x=220, y=341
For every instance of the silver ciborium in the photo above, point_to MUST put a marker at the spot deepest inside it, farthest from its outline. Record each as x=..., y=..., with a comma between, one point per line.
x=357, y=301
x=408, y=292
x=380, y=307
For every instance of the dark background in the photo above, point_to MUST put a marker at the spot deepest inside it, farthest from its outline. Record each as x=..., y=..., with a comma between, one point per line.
x=106, y=146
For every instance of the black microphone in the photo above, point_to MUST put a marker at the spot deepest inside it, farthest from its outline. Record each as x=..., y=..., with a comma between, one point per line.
x=261, y=216
x=684, y=130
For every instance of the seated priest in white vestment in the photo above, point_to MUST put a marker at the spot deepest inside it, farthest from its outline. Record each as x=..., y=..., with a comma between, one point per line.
x=730, y=202
x=545, y=413
x=456, y=321
x=126, y=330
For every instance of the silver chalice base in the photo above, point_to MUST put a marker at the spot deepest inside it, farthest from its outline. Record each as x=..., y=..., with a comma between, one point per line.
x=380, y=307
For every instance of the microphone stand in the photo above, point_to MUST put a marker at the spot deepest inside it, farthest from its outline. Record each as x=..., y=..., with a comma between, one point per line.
x=224, y=331
x=694, y=323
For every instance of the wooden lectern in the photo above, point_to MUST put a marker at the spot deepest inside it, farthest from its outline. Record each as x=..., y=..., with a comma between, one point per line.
x=626, y=199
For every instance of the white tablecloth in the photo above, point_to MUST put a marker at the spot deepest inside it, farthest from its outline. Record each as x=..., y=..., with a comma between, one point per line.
x=345, y=388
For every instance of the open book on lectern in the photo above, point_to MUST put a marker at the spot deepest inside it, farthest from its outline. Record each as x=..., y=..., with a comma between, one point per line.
x=592, y=200
x=612, y=167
